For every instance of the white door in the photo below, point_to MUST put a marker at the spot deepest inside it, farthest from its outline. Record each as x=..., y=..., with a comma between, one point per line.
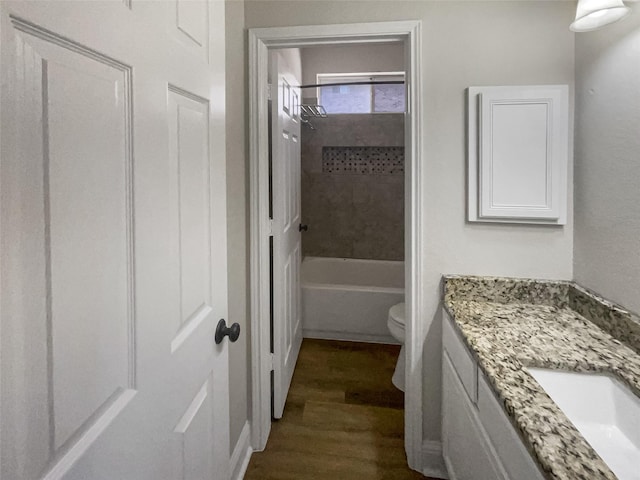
x=287, y=327
x=113, y=254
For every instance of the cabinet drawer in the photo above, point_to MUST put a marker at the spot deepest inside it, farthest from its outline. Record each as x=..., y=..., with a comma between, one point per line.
x=463, y=363
x=515, y=458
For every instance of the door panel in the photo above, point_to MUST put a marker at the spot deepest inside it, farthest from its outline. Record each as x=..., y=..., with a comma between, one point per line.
x=86, y=209
x=190, y=24
x=286, y=218
x=296, y=176
x=112, y=241
x=74, y=108
x=189, y=150
x=196, y=436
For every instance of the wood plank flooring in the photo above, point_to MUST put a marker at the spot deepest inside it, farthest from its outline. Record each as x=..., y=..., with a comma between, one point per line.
x=343, y=419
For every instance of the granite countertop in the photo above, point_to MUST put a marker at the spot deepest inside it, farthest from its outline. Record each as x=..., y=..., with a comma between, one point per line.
x=511, y=324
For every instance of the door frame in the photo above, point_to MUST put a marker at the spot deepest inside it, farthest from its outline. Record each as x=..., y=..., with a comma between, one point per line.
x=260, y=41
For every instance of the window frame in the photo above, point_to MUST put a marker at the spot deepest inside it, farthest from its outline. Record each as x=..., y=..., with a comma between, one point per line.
x=324, y=78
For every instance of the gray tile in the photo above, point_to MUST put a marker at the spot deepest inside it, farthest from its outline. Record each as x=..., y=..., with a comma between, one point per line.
x=355, y=215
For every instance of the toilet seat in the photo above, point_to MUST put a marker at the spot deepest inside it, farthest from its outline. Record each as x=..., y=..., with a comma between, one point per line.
x=396, y=328
x=396, y=322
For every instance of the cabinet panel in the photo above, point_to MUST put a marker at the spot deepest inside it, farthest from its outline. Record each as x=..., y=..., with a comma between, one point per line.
x=467, y=454
x=515, y=458
x=518, y=149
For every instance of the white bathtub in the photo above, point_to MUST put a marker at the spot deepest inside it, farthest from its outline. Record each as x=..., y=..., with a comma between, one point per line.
x=348, y=299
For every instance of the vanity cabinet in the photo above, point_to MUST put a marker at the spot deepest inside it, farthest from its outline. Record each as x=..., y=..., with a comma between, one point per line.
x=479, y=442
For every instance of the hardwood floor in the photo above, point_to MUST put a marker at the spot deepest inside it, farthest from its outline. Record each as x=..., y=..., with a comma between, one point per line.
x=343, y=419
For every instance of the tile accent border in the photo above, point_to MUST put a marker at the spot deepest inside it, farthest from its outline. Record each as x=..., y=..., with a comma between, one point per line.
x=363, y=160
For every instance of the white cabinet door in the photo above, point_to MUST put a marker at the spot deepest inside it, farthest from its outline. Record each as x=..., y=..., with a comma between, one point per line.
x=518, y=153
x=112, y=232
x=514, y=456
x=287, y=327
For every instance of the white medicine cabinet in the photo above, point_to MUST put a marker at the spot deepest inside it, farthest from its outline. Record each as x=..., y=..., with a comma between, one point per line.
x=518, y=154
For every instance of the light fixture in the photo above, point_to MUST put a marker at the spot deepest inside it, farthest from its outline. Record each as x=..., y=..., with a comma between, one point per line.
x=593, y=14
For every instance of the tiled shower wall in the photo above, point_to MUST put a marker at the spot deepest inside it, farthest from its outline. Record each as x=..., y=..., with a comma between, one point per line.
x=353, y=198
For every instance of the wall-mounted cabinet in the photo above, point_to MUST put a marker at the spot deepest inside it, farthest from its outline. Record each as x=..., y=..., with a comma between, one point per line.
x=518, y=154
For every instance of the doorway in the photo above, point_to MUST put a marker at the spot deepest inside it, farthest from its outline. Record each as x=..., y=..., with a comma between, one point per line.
x=261, y=40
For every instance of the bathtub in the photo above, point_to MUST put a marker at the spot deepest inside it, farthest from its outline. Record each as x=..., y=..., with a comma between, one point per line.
x=349, y=299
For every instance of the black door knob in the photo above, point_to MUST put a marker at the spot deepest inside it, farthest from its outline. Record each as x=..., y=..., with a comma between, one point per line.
x=302, y=227
x=222, y=330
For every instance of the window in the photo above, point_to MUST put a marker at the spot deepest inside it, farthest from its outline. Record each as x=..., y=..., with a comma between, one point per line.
x=377, y=98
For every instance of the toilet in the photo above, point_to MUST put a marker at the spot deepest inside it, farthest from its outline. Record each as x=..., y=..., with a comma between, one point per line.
x=395, y=323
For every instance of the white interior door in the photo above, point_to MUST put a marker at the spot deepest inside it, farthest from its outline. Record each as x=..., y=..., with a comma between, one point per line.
x=287, y=327
x=112, y=188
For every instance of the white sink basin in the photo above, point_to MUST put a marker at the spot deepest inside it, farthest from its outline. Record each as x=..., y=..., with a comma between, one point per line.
x=604, y=411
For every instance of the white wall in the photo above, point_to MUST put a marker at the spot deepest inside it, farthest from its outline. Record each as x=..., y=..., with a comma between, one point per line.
x=464, y=44
x=607, y=175
x=388, y=57
x=237, y=216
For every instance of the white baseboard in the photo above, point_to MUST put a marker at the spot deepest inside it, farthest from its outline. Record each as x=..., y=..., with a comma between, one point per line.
x=348, y=336
x=241, y=453
x=432, y=462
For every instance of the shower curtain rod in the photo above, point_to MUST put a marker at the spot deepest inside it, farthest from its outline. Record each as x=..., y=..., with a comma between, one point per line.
x=387, y=82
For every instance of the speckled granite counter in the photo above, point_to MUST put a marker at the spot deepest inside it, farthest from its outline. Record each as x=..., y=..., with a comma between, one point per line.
x=510, y=324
